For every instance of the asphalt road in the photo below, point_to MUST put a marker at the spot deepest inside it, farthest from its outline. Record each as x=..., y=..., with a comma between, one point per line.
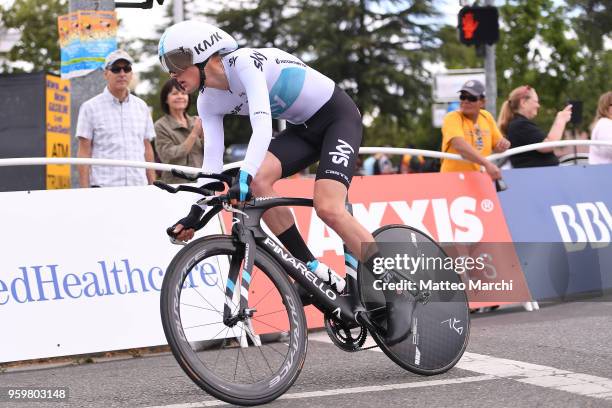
x=559, y=356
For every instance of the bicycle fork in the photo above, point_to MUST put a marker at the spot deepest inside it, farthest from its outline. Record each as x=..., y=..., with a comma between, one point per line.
x=242, y=317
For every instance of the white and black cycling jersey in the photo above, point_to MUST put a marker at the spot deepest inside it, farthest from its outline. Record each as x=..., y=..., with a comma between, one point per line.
x=266, y=84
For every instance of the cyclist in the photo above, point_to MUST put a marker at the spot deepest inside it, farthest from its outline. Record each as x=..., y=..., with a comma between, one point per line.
x=324, y=125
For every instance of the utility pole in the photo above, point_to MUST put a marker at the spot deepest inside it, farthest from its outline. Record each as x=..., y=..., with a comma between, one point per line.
x=178, y=11
x=85, y=87
x=490, y=75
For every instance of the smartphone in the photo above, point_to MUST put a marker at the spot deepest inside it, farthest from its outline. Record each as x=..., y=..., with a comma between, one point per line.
x=576, y=111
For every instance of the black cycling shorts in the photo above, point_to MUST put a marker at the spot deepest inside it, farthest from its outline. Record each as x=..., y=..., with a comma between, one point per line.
x=331, y=136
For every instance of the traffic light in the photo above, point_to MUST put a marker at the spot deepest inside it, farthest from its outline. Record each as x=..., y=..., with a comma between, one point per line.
x=478, y=25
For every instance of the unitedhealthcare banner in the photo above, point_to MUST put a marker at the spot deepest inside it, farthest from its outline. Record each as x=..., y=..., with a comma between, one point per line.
x=81, y=270
x=560, y=222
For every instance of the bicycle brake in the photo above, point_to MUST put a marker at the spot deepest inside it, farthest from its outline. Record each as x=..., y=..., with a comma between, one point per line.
x=230, y=208
x=177, y=241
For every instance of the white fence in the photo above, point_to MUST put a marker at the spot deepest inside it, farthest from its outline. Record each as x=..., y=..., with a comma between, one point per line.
x=33, y=161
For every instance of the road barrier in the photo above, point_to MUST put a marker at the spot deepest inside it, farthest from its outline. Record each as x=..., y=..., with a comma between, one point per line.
x=82, y=268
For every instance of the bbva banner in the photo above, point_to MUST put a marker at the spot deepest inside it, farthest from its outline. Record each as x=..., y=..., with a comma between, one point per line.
x=561, y=225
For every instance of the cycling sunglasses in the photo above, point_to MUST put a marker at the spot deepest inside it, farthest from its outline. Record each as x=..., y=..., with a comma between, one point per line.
x=115, y=70
x=468, y=97
x=176, y=61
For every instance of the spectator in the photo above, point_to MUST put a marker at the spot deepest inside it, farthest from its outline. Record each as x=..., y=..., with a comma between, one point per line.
x=383, y=164
x=565, y=153
x=368, y=165
x=115, y=125
x=359, y=166
x=472, y=132
x=602, y=130
x=515, y=122
x=180, y=138
x=430, y=165
x=410, y=163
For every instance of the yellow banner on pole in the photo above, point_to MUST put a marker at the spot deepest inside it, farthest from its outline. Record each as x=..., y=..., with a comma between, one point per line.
x=57, y=107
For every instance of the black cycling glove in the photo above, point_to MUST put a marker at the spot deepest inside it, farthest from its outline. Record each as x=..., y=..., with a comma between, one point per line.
x=189, y=222
x=241, y=189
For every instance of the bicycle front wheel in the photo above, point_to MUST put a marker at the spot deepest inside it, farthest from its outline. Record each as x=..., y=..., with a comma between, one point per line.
x=250, y=355
x=438, y=328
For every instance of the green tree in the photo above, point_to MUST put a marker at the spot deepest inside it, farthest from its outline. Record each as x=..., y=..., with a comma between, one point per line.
x=375, y=50
x=539, y=47
x=146, y=48
x=37, y=21
x=594, y=21
x=453, y=53
x=593, y=25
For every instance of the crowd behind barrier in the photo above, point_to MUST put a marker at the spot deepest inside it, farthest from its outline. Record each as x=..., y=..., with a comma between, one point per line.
x=469, y=131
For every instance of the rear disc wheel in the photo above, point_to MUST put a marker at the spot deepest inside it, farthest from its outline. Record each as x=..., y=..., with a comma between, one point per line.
x=439, y=327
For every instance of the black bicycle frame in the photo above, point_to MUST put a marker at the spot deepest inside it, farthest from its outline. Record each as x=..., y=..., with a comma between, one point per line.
x=247, y=229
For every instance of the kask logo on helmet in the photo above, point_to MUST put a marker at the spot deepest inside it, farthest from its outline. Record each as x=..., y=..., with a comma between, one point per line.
x=204, y=45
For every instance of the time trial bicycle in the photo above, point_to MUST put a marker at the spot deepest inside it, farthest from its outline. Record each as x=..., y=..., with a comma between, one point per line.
x=244, y=338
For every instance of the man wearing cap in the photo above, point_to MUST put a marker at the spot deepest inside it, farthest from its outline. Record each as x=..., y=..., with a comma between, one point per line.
x=472, y=133
x=115, y=125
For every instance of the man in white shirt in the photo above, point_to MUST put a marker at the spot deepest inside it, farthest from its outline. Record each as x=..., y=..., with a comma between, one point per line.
x=115, y=125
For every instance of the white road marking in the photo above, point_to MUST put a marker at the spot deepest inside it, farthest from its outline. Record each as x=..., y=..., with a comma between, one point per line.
x=543, y=376
x=343, y=391
x=490, y=368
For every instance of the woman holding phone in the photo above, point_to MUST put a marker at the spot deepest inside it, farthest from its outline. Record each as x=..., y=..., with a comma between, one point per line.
x=516, y=123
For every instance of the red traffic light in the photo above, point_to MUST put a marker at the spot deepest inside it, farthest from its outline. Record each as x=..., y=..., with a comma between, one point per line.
x=478, y=25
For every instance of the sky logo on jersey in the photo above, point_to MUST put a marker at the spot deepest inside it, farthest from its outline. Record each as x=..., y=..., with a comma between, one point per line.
x=342, y=153
x=286, y=90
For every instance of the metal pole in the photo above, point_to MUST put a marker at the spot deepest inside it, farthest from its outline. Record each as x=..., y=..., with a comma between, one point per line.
x=490, y=75
x=178, y=11
x=85, y=87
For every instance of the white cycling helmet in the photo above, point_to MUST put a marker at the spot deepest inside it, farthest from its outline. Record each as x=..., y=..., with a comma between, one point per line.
x=192, y=42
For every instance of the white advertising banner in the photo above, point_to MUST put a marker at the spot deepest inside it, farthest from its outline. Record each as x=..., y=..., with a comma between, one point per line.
x=446, y=85
x=81, y=270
